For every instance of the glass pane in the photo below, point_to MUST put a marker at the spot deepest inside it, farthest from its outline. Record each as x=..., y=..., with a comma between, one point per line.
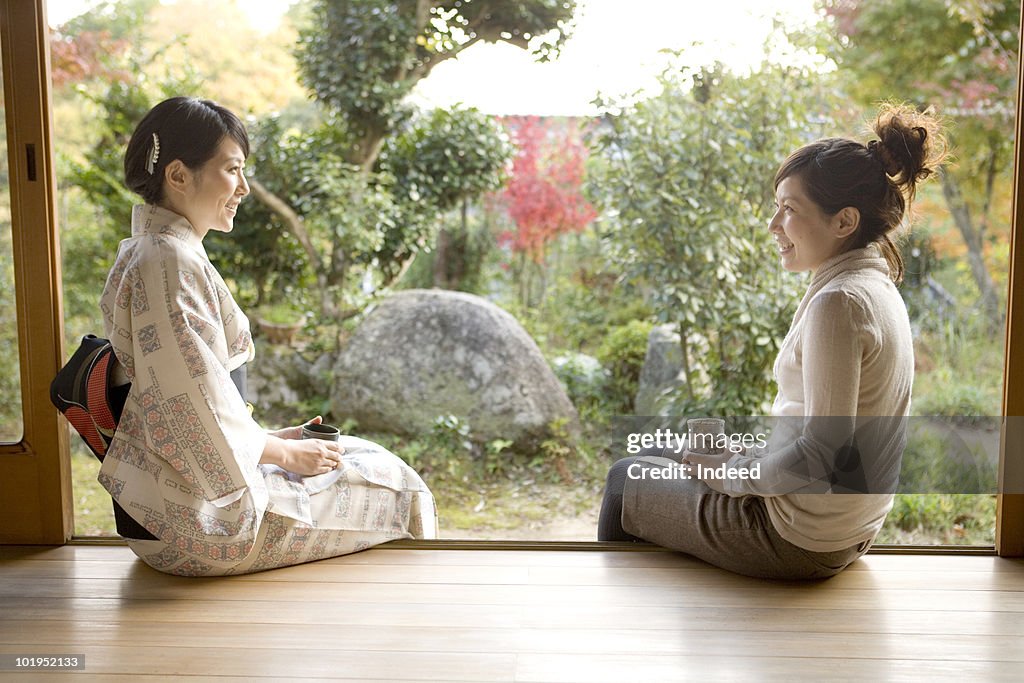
x=77, y=62
x=548, y=262
x=11, y=425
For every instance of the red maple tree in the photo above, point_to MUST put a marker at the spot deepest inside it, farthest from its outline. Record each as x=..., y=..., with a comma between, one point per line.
x=544, y=194
x=85, y=56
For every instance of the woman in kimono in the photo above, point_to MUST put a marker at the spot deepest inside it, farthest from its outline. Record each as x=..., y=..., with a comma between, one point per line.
x=216, y=493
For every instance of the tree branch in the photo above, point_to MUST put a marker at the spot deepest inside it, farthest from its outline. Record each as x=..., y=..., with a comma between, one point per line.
x=991, y=170
x=422, y=13
x=290, y=218
x=425, y=67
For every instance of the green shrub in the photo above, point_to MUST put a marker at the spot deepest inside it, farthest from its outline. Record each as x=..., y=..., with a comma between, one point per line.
x=281, y=314
x=685, y=219
x=622, y=352
x=964, y=404
x=929, y=519
x=586, y=382
x=939, y=459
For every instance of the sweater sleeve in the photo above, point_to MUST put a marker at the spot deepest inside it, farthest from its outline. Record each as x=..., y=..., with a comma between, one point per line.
x=169, y=333
x=812, y=454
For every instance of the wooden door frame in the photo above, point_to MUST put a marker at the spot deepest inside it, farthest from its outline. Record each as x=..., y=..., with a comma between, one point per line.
x=35, y=479
x=1010, y=506
x=35, y=474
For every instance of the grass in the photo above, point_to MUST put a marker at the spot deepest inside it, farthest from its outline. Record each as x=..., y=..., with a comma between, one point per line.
x=941, y=519
x=521, y=506
x=94, y=515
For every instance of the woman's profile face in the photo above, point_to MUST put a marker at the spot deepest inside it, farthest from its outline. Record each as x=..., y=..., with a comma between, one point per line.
x=802, y=230
x=216, y=189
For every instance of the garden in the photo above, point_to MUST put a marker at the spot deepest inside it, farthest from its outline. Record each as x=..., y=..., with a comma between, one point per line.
x=603, y=237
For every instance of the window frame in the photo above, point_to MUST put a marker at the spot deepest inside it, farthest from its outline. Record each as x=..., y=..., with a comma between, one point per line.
x=35, y=473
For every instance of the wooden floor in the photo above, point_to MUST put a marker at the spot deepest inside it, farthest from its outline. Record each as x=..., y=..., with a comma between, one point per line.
x=486, y=615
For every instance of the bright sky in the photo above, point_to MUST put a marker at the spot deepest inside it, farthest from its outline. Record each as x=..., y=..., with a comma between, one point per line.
x=614, y=50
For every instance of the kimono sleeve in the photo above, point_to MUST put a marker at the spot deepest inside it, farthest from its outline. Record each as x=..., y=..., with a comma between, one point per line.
x=193, y=417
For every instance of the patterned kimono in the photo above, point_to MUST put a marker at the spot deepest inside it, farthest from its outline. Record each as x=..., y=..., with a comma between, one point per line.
x=184, y=461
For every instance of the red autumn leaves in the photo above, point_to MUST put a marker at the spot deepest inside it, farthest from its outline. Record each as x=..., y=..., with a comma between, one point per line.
x=544, y=196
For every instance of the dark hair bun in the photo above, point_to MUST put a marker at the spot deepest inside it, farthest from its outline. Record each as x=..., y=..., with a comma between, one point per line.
x=910, y=145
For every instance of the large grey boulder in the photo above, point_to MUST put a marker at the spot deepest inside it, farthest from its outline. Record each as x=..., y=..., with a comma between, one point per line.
x=425, y=353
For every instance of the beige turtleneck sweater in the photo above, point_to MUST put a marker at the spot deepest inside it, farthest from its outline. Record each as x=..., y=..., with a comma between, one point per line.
x=848, y=358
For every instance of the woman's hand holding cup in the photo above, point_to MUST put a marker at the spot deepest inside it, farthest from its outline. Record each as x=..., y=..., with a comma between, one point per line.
x=310, y=457
x=311, y=448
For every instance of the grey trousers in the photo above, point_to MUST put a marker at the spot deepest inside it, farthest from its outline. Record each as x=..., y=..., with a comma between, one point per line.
x=731, y=533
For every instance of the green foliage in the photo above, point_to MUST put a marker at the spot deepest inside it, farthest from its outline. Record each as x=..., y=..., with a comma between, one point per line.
x=90, y=238
x=583, y=297
x=469, y=244
x=94, y=514
x=556, y=451
x=363, y=223
x=447, y=156
x=10, y=373
x=964, y=403
x=451, y=452
x=88, y=250
x=928, y=519
x=351, y=57
x=961, y=366
x=586, y=383
x=622, y=352
x=686, y=218
x=496, y=456
x=356, y=225
x=362, y=57
x=445, y=159
x=929, y=52
x=452, y=434
x=282, y=313
x=941, y=457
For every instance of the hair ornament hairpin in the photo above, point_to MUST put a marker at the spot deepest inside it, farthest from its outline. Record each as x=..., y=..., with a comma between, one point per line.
x=154, y=155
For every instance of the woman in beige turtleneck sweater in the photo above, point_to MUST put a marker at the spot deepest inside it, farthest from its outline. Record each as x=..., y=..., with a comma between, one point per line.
x=844, y=370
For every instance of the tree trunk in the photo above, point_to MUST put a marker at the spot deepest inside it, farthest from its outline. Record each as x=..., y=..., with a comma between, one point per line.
x=524, y=280
x=975, y=255
x=441, y=249
x=684, y=348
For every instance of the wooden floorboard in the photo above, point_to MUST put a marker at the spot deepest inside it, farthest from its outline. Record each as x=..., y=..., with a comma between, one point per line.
x=498, y=615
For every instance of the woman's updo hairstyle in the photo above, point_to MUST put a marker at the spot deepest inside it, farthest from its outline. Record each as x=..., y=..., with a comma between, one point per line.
x=879, y=179
x=187, y=128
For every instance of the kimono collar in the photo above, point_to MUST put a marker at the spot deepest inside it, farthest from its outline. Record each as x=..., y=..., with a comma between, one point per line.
x=149, y=219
